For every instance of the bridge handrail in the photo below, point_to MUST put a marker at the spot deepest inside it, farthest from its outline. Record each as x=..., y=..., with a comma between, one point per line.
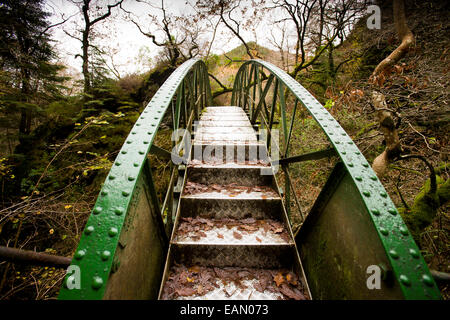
x=408, y=265
x=100, y=238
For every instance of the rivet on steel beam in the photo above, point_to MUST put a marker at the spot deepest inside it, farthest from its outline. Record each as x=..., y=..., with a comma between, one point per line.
x=384, y=231
x=125, y=193
x=392, y=211
x=359, y=178
x=124, y=152
x=97, y=210
x=105, y=255
x=97, y=282
x=117, y=163
x=414, y=253
x=366, y=193
x=404, y=230
x=113, y=231
x=118, y=211
x=393, y=254
x=383, y=194
x=404, y=279
x=141, y=152
x=104, y=193
x=89, y=230
x=427, y=280
x=129, y=142
x=366, y=165
x=111, y=177
x=374, y=178
x=80, y=254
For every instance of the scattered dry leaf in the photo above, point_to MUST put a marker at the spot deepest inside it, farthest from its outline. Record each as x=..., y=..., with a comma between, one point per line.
x=279, y=279
x=237, y=235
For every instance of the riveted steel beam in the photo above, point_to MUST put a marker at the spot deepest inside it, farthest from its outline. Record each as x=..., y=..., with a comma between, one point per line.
x=408, y=265
x=309, y=156
x=100, y=239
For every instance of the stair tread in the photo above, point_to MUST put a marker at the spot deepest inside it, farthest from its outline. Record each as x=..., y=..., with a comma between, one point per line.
x=206, y=283
x=247, y=231
x=224, y=196
x=228, y=165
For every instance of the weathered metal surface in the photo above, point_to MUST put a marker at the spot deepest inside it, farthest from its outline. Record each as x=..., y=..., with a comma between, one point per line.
x=338, y=244
x=404, y=256
x=243, y=175
x=140, y=253
x=226, y=235
x=244, y=206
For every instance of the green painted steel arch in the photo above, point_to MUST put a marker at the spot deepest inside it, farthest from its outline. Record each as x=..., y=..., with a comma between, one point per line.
x=99, y=241
x=408, y=265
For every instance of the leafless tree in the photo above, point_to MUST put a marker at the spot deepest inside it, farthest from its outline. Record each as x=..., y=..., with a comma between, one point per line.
x=87, y=9
x=175, y=47
x=228, y=12
x=317, y=25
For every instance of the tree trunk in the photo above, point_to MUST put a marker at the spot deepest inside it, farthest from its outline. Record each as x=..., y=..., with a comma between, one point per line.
x=405, y=35
x=85, y=47
x=387, y=127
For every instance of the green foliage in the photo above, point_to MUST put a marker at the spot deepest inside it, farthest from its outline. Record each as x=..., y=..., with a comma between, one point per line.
x=425, y=206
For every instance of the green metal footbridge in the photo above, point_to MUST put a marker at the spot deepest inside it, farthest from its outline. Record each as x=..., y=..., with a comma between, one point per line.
x=223, y=227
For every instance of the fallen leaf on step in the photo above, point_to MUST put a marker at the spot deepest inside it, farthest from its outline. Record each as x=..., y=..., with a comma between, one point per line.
x=237, y=235
x=185, y=292
x=194, y=269
x=219, y=236
x=291, y=278
x=279, y=279
x=292, y=293
x=258, y=239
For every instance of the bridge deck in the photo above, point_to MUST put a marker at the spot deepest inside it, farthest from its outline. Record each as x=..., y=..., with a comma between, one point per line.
x=231, y=237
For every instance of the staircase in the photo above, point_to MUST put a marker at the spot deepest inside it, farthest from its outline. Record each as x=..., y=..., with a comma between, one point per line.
x=231, y=238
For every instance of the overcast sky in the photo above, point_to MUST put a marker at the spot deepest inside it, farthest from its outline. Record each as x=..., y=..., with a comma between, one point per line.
x=124, y=39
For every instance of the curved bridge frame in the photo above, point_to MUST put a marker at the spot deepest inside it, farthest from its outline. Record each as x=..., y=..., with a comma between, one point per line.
x=404, y=256
x=185, y=93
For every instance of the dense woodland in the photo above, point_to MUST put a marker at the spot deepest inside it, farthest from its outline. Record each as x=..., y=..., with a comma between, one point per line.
x=60, y=132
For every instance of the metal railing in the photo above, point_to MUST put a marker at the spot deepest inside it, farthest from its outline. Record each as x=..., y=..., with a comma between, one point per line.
x=129, y=190
x=258, y=81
